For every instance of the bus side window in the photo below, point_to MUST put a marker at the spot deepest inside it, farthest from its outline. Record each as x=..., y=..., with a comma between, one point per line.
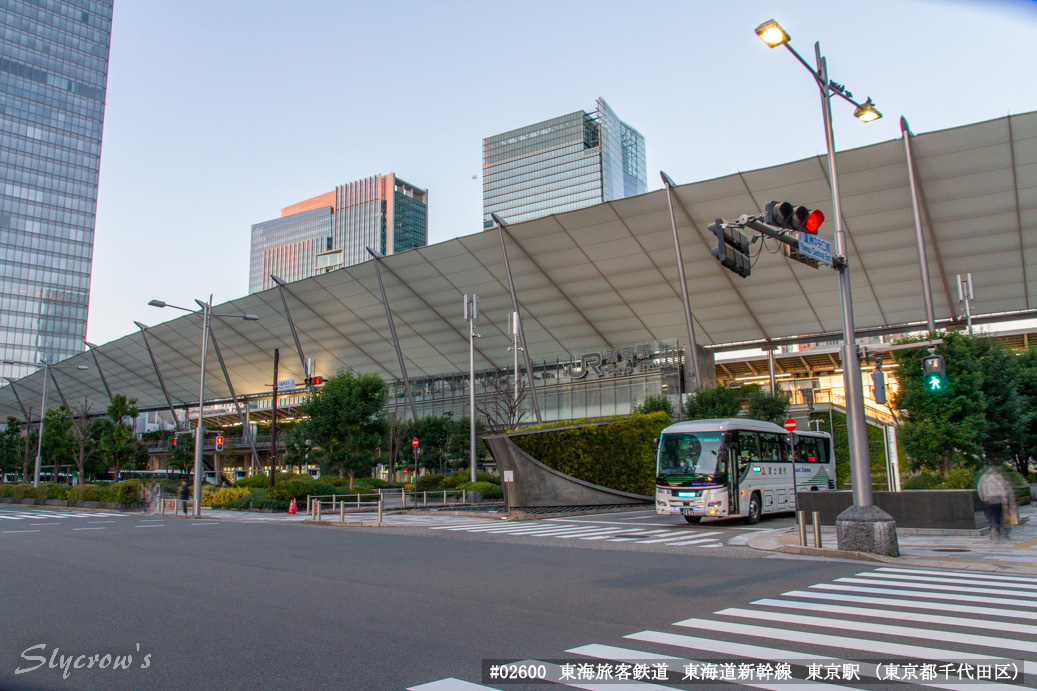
x=748, y=451
x=773, y=448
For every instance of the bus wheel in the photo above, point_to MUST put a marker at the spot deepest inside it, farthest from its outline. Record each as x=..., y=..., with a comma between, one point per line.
x=754, y=509
x=693, y=519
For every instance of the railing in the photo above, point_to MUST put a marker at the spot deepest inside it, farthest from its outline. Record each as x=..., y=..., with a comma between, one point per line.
x=414, y=499
x=871, y=410
x=315, y=506
x=173, y=504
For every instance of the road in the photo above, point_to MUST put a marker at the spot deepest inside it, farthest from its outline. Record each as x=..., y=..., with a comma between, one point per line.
x=249, y=604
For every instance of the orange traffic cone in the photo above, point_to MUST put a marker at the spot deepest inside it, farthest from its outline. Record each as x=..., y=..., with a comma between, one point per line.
x=292, y=508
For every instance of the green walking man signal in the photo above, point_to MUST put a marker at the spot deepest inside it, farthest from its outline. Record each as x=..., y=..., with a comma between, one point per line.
x=934, y=369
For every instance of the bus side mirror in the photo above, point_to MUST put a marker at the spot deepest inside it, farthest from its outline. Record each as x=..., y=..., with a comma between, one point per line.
x=655, y=444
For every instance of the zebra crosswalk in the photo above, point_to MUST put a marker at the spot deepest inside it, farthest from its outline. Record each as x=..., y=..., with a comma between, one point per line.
x=33, y=515
x=585, y=530
x=939, y=629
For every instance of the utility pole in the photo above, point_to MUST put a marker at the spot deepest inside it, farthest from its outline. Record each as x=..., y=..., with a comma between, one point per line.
x=273, y=423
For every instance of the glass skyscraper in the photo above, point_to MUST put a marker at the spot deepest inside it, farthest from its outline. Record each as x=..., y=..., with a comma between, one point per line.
x=335, y=229
x=53, y=80
x=561, y=164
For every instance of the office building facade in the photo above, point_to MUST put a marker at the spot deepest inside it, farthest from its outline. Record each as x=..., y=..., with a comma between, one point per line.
x=335, y=229
x=53, y=82
x=562, y=164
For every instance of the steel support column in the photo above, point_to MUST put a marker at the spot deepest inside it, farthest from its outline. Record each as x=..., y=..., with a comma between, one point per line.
x=392, y=330
x=158, y=373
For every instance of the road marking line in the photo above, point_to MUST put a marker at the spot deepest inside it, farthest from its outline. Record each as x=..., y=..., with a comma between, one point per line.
x=20, y=531
x=884, y=629
x=988, y=576
x=899, y=650
x=89, y=529
x=441, y=527
x=159, y=525
x=628, y=655
x=450, y=684
x=897, y=614
x=881, y=577
x=915, y=604
x=604, y=532
x=695, y=542
x=764, y=653
x=44, y=524
x=936, y=586
x=576, y=520
x=932, y=596
x=205, y=523
x=682, y=536
x=100, y=521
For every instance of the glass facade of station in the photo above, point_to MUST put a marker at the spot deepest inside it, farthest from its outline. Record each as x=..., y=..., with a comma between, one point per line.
x=53, y=81
x=562, y=164
x=382, y=212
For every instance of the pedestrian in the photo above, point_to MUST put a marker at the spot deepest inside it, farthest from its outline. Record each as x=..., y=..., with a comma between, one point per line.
x=997, y=496
x=185, y=494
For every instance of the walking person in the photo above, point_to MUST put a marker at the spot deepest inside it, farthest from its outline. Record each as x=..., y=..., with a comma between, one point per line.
x=996, y=494
x=185, y=494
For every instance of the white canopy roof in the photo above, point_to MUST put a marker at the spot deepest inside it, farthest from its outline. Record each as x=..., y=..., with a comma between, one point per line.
x=605, y=276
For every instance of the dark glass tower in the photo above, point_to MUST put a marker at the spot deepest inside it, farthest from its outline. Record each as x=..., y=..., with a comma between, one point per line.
x=53, y=78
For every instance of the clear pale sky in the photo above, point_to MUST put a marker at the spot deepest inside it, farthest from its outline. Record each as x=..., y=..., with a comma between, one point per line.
x=220, y=113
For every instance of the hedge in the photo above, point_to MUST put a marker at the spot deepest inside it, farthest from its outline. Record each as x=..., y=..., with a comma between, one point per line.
x=617, y=455
x=126, y=492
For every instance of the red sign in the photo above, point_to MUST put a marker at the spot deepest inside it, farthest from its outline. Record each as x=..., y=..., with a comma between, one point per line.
x=790, y=425
x=414, y=442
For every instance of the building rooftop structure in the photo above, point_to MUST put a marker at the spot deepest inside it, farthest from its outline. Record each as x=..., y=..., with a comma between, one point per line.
x=604, y=276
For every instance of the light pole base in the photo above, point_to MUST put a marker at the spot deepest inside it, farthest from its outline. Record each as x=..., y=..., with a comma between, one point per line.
x=867, y=529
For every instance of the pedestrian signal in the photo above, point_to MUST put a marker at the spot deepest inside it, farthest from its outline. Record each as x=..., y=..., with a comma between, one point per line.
x=219, y=442
x=934, y=369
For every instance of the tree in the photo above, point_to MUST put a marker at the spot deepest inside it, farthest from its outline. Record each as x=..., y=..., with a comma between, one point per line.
x=118, y=444
x=59, y=439
x=704, y=404
x=396, y=441
x=81, y=428
x=297, y=446
x=346, y=422
x=181, y=454
x=443, y=440
x=947, y=428
x=28, y=448
x=764, y=405
x=1028, y=391
x=10, y=445
x=500, y=410
x=655, y=403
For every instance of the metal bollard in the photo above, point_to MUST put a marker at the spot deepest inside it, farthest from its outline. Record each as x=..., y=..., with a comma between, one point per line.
x=464, y=496
x=816, y=518
x=403, y=497
x=342, y=512
x=379, y=509
x=444, y=497
x=357, y=502
x=309, y=506
x=801, y=522
x=424, y=498
x=316, y=508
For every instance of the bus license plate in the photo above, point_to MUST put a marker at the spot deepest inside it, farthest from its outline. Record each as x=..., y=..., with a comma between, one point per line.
x=688, y=512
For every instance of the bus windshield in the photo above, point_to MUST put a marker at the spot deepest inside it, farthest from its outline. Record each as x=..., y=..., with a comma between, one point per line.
x=688, y=453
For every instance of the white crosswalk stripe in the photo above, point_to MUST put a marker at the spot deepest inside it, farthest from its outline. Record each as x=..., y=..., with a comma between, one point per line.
x=898, y=614
x=585, y=530
x=34, y=515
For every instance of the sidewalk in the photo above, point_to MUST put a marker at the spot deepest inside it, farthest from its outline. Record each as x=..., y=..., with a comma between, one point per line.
x=1018, y=554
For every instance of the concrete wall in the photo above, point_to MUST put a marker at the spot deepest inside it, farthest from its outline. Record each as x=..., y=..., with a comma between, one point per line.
x=947, y=509
x=535, y=484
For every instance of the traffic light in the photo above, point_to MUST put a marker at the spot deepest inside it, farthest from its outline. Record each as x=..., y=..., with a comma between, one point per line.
x=732, y=250
x=800, y=218
x=219, y=442
x=314, y=381
x=878, y=383
x=174, y=442
x=934, y=369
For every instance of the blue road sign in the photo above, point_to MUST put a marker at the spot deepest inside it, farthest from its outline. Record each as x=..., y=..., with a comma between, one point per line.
x=816, y=247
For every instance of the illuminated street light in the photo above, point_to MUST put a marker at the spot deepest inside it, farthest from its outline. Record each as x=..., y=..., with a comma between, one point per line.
x=772, y=34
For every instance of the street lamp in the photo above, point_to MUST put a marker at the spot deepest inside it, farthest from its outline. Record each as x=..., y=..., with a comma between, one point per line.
x=47, y=367
x=863, y=527
x=207, y=314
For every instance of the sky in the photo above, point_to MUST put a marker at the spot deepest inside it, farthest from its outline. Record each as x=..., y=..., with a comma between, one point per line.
x=220, y=113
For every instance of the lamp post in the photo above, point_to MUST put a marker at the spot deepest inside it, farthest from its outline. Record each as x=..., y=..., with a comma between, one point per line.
x=863, y=527
x=47, y=367
x=207, y=314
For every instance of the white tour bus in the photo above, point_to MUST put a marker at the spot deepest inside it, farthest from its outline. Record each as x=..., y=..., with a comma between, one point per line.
x=736, y=467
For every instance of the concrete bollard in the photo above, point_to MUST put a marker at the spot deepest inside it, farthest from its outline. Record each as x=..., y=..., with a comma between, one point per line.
x=816, y=518
x=801, y=523
x=379, y=509
x=316, y=508
x=342, y=512
x=424, y=498
x=444, y=497
x=403, y=497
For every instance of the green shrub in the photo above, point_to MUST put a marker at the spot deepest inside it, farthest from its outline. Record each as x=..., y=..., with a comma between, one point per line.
x=335, y=480
x=454, y=479
x=19, y=490
x=257, y=481
x=88, y=492
x=960, y=478
x=297, y=490
x=52, y=490
x=125, y=492
x=924, y=480
x=292, y=477
x=269, y=504
x=489, y=490
x=225, y=495
x=618, y=455
x=429, y=482
x=373, y=482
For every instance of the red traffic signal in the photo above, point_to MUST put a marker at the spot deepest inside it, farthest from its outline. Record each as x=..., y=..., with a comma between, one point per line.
x=174, y=441
x=219, y=442
x=314, y=381
x=785, y=215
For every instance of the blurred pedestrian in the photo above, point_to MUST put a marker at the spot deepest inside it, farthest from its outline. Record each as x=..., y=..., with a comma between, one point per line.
x=185, y=494
x=997, y=496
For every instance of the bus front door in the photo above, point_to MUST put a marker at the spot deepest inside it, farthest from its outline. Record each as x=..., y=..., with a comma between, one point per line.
x=730, y=462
